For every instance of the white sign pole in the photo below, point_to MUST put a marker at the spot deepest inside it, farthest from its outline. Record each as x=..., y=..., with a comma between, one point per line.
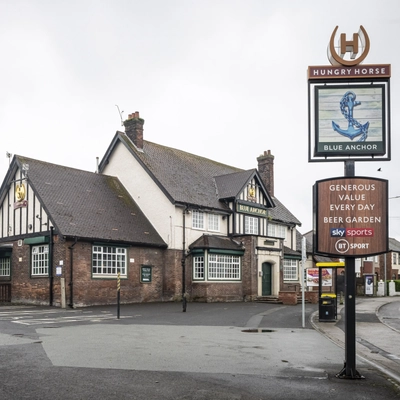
x=303, y=266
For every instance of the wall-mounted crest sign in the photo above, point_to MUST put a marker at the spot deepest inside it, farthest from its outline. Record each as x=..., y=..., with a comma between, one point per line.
x=349, y=104
x=20, y=192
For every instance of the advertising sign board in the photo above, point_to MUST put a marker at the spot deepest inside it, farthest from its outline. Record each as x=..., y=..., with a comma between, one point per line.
x=350, y=119
x=351, y=216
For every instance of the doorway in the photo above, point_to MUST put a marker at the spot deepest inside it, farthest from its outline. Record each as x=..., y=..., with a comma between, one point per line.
x=266, y=286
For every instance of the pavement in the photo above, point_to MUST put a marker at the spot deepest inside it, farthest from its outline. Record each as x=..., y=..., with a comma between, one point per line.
x=377, y=332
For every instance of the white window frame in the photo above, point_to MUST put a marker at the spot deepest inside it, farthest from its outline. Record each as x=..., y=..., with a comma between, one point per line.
x=197, y=219
x=224, y=267
x=5, y=266
x=198, y=267
x=250, y=225
x=213, y=222
x=40, y=260
x=276, y=230
x=107, y=261
x=290, y=269
x=395, y=258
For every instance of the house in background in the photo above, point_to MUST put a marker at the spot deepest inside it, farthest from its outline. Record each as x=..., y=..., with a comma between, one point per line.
x=165, y=222
x=378, y=264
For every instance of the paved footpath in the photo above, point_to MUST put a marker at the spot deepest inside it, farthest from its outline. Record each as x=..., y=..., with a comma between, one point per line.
x=377, y=335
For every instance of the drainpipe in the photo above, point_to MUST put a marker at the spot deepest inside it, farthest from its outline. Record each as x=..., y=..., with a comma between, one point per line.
x=183, y=259
x=71, y=285
x=51, y=260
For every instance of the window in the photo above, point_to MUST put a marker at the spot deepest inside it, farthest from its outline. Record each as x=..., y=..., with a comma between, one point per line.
x=198, y=266
x=276, y=230
x=223, y=267
x=290, y=270
x=395, y=258
x=197, y=219
x=108, y=261
x=5, y=266
x=40, y=260
x=213, y=222
x=250, y=225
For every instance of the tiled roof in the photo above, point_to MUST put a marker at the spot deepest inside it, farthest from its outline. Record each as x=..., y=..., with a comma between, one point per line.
x=216, y=242
x=282, y=214
x=187, y=178
x=231, y=184
x=287, y=251
x=89, y=205
x=394, y=245
x=191, y=179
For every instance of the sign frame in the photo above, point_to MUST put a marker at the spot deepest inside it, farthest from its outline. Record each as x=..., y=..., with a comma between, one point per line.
x=342, y=148
x=351, y=217
x=146, y=273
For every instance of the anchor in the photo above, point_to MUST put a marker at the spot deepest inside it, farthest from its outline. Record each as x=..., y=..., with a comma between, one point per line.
x=354, y=128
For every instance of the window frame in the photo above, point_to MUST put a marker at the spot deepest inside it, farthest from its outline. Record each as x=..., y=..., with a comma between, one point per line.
x=198, y=219
x=119, y=255
x=39, y=256
x=199, y=267
x=214, y=222
x=278, y=230
x=214, y=266
x=294, y=270
x=5, y=267
x=251, y=225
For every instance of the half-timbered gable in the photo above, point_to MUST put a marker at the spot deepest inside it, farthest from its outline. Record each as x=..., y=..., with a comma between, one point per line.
x=248, y=200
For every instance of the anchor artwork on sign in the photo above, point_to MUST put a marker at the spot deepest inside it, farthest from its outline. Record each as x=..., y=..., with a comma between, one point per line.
x=354, y=128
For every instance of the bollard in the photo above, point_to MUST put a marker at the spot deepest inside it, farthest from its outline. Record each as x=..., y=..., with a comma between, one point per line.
x=118, y=293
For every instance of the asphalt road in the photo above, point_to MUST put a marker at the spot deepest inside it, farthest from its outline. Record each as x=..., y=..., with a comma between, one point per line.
x=155, y=351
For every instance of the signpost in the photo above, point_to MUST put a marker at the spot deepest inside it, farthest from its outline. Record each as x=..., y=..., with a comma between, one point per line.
x=349, y=120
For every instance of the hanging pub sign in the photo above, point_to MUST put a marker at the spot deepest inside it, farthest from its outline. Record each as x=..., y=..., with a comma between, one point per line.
x=349, y=104
x=351, y=217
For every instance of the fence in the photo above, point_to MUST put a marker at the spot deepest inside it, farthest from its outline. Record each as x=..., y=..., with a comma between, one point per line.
x=5, y=292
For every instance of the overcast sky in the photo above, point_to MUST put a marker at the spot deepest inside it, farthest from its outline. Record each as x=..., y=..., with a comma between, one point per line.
x=223, y=79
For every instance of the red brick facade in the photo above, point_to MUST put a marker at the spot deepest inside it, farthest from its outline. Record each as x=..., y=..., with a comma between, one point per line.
x=86, y=290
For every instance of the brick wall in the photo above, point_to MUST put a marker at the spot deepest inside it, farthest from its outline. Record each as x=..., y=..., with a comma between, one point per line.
x=164, y=286
x=26, y=289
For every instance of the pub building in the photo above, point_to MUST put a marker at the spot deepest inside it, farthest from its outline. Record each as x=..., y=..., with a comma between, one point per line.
x=149, y=217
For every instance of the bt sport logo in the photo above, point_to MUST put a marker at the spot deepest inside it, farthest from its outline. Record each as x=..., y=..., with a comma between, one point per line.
x=352, y=232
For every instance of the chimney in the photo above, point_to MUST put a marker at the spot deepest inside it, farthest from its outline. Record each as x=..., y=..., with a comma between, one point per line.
x=266, y=170
x=134, y=129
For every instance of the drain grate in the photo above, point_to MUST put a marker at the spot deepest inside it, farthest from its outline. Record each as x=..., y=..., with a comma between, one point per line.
x=258, y=330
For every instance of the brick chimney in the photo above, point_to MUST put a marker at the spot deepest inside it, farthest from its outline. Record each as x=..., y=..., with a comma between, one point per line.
x=134, y=129
x=266, y=170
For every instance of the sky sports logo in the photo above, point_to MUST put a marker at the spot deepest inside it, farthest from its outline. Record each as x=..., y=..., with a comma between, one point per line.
x=352, y=232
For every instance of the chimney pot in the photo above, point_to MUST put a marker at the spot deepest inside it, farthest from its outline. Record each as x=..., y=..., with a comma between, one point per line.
x=266, y=170
x=134, y=129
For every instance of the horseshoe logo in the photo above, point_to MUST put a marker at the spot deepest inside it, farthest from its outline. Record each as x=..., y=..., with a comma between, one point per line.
x=345, y=46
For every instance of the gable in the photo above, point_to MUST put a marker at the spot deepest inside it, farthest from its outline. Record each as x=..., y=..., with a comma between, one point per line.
x=21, y=210
x=80, y=204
